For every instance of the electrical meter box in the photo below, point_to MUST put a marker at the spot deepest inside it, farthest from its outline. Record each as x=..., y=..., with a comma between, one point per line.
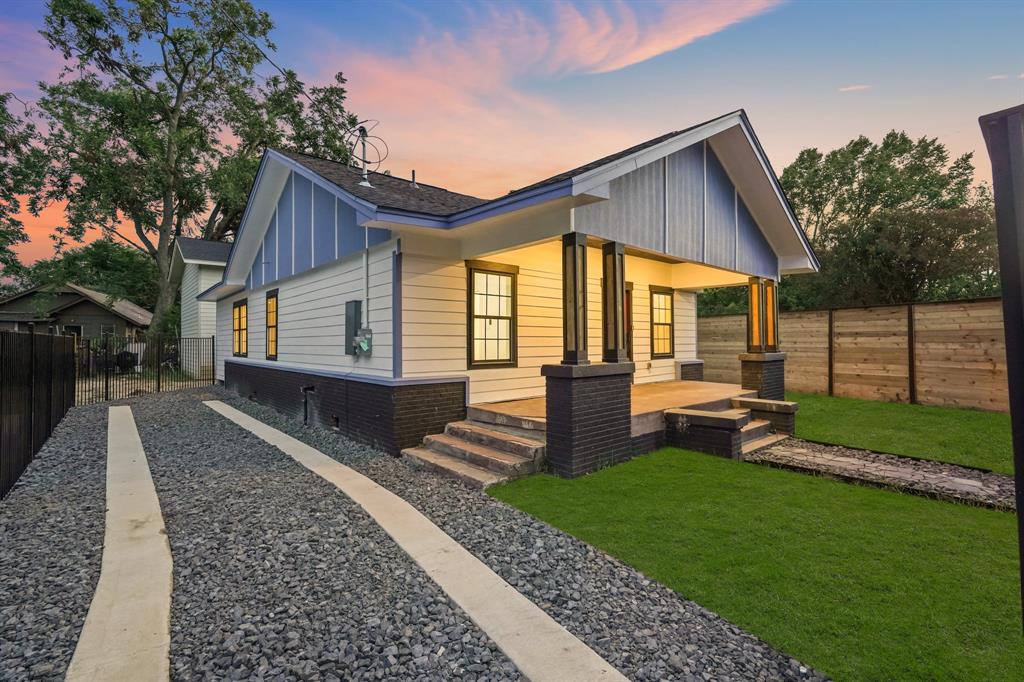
x=363, y=343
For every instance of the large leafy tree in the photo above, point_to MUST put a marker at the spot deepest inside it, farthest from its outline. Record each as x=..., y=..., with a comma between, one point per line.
x=104, y=265
x=157, y=123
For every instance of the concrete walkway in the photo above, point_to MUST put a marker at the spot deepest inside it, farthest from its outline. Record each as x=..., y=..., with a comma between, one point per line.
x=540, y=647
x=126, y=635
x=920, y=477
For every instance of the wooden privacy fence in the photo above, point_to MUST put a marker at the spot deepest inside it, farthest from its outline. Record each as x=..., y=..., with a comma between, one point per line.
x=949, y=353
x=37, y=388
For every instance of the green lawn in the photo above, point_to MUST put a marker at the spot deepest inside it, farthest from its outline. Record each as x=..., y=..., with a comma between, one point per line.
x=972, y=437
x=862, y=583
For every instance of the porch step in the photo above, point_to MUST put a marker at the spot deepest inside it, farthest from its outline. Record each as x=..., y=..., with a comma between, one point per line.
x=719, y=419
x=762, y=442
x=471, y=475
x=758, y=428
x=498, y=461
x=486, y=416
x=508, y=439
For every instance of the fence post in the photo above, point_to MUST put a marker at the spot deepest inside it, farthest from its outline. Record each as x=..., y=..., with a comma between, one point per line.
x=213, y=360
x=49, y=383
x=159, y=360
x=831, y=351
x=106, y=368
x=31, y=388
x=911, y=355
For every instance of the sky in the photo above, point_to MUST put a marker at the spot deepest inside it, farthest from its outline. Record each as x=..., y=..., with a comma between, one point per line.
x=482, y=98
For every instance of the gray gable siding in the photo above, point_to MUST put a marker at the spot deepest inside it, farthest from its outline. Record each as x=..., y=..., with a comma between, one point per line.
x=686, y=206
x=685, y=218
x=309, y=228
x=721, y=216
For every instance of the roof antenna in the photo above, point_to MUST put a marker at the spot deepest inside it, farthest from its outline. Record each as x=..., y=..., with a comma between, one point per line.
x=414, y=178
x=362, y=139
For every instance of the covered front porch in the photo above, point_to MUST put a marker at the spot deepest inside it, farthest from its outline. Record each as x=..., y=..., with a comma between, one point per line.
x=648, y=402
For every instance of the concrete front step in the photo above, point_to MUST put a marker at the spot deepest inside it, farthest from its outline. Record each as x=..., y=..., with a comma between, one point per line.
x=481, y=414
x=758, y=428
x=471, y=475
x=498, y=461
x=506, y=439
x=762, y=442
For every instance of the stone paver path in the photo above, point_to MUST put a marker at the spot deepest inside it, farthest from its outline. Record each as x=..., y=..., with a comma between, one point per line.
x=931, y=479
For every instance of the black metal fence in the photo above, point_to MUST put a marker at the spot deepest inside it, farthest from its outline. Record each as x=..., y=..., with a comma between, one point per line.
x=112, y=368
x=37, y=387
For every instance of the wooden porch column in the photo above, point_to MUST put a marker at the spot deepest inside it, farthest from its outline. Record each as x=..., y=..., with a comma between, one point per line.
x=613, y=303
x=574, y=299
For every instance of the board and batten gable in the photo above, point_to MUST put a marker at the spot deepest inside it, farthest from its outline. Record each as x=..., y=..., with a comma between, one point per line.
x=198, y=318
x=434, y=318
x=309, y=227
x=311, y=317
x=686, y=206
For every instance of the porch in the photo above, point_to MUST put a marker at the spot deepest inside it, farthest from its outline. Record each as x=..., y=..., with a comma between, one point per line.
x=648, y=403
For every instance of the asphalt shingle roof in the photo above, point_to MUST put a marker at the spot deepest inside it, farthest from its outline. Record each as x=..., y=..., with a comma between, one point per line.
x=398, y=193
x=388, y=191
x=203, y=249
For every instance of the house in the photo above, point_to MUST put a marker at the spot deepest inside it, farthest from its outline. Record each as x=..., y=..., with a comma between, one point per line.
x=200, y=263
x=560, y=318
x=73, y=309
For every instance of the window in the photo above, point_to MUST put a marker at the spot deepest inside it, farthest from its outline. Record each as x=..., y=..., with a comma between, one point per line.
x=492, y=314
x=272, y=324
x=73, y=329
x=107, y=330
x=240, y=328
x=661, y=322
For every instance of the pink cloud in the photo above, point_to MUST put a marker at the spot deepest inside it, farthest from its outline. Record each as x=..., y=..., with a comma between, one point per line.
x=854, y=88
x=454, y=106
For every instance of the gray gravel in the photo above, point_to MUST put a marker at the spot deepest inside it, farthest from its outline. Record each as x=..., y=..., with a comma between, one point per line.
x=51, y=545
x=278, y=575
x=927, y=478
x=646, y=630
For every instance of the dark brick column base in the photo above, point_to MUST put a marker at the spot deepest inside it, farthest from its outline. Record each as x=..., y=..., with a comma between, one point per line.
x=764, y=373
x=588, y=416
x=690, y=370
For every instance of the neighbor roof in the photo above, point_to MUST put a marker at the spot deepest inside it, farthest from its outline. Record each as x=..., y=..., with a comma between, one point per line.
x=203, y=249
x=387, y=191
x=135, y=314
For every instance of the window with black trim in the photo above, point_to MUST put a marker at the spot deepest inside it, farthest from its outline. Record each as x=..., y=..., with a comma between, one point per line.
x=240, y=328
x=661, y=323
x=491, y=315
x=272, y=324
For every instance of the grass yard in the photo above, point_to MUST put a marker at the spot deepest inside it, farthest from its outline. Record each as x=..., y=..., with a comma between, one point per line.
x=859, y=582
x=971, y=437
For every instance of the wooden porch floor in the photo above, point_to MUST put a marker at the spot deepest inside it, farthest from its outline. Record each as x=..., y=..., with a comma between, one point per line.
x=645, y=399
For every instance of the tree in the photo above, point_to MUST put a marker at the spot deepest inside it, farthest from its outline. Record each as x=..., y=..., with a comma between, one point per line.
x=849, y=184
x=104, y=265
x=21, y=170
x=157, y=122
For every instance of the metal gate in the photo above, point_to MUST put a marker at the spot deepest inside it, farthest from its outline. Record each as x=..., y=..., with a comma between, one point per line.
x=112, y=368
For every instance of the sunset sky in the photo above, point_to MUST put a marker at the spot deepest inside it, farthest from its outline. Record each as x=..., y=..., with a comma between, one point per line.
x=483, y=98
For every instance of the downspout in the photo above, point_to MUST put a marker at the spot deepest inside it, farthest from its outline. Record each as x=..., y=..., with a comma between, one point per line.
x=306, y=390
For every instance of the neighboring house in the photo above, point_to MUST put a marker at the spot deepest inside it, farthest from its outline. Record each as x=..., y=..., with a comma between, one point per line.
x=201, y=263
x=456, y=300
x=73, y=309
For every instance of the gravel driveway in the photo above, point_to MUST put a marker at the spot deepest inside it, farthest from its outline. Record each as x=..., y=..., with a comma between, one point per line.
x=51, y=545
x=278, y=574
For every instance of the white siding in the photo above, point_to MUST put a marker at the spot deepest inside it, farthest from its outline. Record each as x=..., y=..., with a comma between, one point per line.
x=198, y=318
x=311, y=317
x=434, y=320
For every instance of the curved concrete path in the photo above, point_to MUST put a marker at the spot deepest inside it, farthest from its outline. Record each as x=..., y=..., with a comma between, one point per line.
x=540, y=647
x=126, y=635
